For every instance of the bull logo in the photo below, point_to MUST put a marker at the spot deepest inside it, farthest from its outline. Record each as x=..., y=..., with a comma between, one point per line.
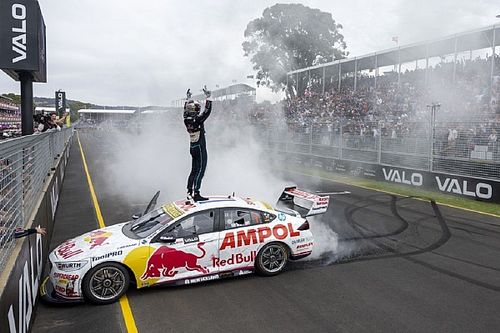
x=97, y=238
x=166, y=261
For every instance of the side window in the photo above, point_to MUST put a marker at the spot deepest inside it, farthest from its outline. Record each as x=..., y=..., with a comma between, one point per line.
x=196, y=224
x=267, y=217
x=236, y=218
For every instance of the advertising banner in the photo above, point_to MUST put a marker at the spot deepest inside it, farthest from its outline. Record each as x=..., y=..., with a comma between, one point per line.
x=469, y=187
x=60, y=103
x=22, y=39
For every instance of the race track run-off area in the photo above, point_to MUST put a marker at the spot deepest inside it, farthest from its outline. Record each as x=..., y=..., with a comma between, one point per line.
x=389, y=264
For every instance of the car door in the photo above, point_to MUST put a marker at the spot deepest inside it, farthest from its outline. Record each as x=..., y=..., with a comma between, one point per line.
x=185, y=249
x=239, y=237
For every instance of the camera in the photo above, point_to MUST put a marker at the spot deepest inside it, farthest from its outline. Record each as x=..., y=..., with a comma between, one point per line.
x=41, y=118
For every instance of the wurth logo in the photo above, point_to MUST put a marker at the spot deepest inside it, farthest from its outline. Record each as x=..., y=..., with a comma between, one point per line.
x=19, y=39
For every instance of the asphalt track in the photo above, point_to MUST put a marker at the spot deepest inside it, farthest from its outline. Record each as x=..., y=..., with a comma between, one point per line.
x=401, y=265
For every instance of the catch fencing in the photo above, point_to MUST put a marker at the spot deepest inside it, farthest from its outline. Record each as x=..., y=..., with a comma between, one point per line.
x=25, y=165
x=455, y=148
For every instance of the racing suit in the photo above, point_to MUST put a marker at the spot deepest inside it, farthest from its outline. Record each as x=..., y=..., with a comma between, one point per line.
x=198, y=146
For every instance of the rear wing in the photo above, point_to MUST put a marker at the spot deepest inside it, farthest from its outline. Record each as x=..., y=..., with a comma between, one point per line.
x=309, y=203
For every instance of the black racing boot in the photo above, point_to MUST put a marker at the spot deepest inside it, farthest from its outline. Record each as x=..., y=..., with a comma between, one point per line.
x=198, y=197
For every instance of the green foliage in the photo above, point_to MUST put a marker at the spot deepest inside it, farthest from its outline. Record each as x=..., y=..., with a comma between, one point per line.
x=289, y=37
x=14, y=97
x=74, y=106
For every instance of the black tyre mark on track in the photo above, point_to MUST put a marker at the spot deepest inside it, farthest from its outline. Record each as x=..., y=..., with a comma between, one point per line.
x=445, y=236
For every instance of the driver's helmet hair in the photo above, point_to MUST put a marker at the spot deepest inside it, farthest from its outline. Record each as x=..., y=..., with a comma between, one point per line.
x=192, y=106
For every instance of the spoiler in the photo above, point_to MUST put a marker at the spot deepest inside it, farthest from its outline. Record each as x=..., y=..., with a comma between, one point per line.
x=311, y=204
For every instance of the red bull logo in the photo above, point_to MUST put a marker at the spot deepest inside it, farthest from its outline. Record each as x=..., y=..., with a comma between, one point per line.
x=167, y=261
x=97, y=238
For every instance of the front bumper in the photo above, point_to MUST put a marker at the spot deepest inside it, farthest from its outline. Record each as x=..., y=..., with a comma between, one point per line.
x=49, y=295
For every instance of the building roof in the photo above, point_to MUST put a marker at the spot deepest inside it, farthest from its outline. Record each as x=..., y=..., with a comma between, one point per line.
x=47, y=109
x=106, y=111
x=469, y=40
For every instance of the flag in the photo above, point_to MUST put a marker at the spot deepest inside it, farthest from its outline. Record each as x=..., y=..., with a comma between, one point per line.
x=395, y=39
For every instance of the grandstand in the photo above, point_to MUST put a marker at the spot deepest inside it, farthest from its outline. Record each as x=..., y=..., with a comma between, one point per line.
x=233, y=92
x=330, y=75
x=101, y=115
x=47, y=109
x=429, y=106
x=10, y=118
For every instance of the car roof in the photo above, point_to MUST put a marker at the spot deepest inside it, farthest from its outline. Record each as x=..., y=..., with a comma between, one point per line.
x=181, y=207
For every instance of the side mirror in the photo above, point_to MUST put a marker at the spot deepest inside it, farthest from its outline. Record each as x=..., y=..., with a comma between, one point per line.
x=136, y=216
x=167, y=239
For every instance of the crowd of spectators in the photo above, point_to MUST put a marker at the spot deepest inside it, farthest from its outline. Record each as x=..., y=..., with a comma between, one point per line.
x=467, y=104
x=10, y=118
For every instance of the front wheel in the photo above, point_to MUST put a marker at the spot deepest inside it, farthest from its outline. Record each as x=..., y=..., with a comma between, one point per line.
x=106, y=283
x=272, y=259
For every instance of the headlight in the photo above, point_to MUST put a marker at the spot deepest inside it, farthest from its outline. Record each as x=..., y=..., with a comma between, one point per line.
x=69, y=266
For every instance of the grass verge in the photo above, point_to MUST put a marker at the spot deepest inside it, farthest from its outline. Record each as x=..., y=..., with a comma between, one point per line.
x=440, y=198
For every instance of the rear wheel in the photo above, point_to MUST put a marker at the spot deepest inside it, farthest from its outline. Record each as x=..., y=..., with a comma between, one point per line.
x=106, y=283
x=272, y=259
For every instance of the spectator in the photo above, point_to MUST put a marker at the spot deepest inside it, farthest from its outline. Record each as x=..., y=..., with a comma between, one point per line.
x=6, y=236
x=52, y=123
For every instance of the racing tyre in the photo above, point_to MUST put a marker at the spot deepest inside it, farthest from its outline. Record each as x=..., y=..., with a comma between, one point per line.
x=105, y=283
x=272, y=259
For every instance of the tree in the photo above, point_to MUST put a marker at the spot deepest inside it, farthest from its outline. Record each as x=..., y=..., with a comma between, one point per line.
x=289, y=37
x=15, y=98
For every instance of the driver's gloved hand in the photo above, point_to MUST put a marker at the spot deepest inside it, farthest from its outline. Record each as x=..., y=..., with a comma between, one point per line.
x=207, y=92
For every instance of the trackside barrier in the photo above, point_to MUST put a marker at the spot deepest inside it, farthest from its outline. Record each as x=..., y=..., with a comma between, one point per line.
x=32, y=175
x=487, y=190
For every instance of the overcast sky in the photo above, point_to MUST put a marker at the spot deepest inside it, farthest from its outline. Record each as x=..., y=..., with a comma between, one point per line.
x=149, y=52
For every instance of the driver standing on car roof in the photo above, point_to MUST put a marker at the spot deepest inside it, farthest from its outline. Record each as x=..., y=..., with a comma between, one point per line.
x=194, y=119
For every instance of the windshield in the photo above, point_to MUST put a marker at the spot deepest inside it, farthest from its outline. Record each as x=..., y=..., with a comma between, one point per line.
x=149, y=223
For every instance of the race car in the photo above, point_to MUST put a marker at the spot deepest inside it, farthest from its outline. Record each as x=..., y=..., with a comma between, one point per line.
x=183, y=242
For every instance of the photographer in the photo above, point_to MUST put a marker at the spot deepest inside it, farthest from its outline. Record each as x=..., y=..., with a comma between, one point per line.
x=51, y=123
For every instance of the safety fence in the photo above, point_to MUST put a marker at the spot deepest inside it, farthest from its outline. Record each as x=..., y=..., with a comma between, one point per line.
x=456, y=148
x=25, y=165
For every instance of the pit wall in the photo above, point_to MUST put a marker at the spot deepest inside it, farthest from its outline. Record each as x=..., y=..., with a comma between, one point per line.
x=21, y=278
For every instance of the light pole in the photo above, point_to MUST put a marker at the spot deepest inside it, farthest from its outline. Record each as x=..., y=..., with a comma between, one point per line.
x=433, y=108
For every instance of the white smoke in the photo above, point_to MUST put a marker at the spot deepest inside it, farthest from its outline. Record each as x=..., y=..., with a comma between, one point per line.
x=326, y=241
x=156, y=157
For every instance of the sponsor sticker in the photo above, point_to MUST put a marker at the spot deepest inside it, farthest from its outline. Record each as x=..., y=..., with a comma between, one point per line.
x=108, y=255
x=191, y=239
x=66, y=276
x=125, y=246
x=258, y=235
x=202, y=278
x=168, y=261
x=172, y=210
x=235, y=259
x=97, y=238
x=65, y=250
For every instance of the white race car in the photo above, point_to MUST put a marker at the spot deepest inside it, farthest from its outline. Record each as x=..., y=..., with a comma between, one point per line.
x=182, y=243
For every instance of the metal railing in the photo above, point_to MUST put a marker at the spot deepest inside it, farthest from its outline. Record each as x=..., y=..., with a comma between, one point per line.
x=459, y=148
x=25, y=164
